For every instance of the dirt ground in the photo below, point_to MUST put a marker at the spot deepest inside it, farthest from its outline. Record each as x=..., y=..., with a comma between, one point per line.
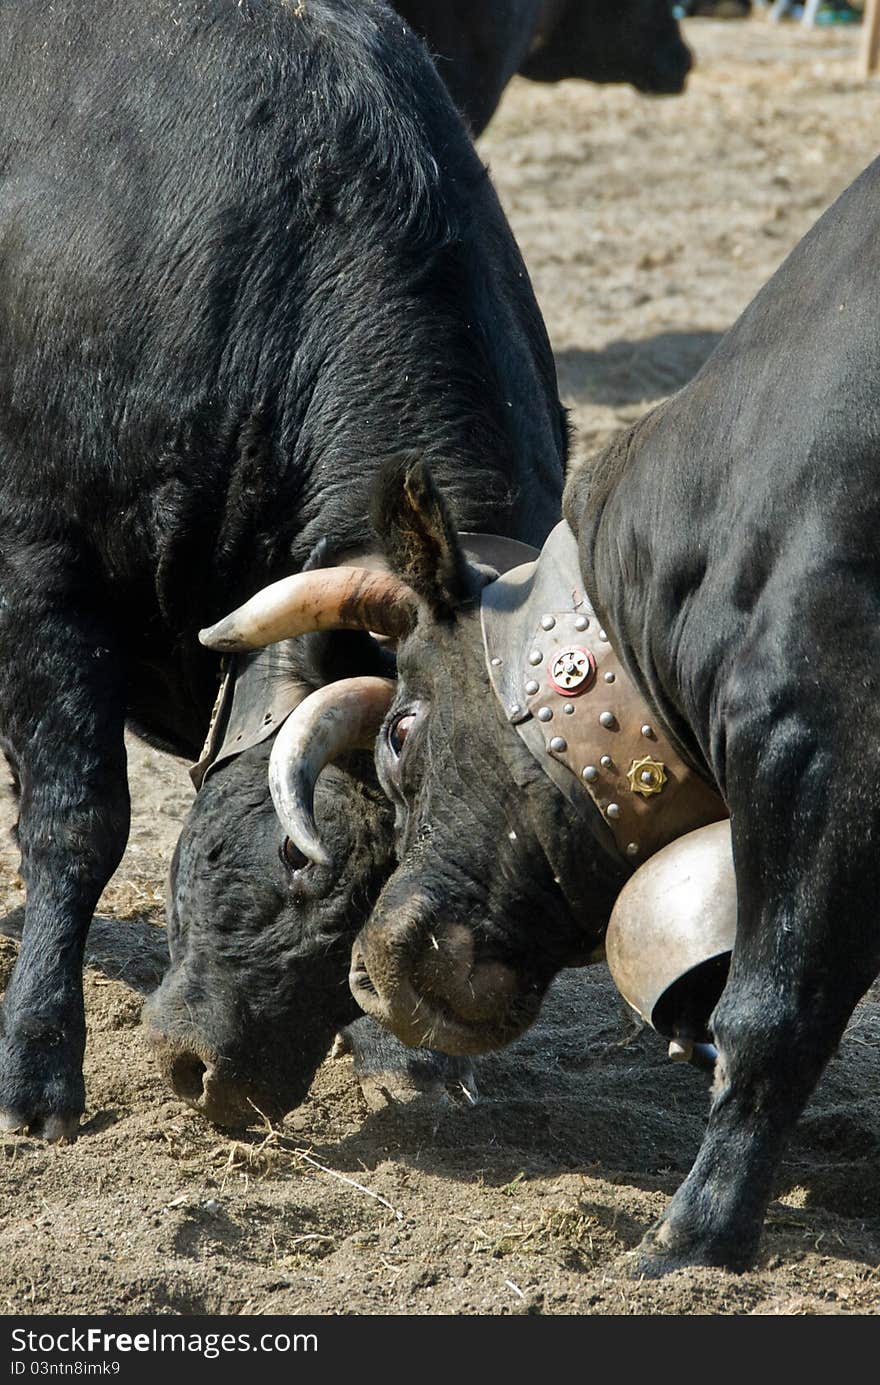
x=647, y=226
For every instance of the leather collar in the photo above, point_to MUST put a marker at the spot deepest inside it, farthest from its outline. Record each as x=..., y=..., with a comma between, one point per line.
x=562, y=686
x=257, y=694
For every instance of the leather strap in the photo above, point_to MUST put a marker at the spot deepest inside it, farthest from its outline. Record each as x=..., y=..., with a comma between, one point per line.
x=257, y=694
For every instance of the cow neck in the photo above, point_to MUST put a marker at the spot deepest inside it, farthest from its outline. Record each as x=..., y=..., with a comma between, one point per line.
x=258, y=691
x=561, y=684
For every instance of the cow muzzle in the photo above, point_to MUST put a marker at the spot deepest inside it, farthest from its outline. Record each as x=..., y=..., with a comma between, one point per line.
x=205, y=1082
x=427, y=986
x=198, y=1067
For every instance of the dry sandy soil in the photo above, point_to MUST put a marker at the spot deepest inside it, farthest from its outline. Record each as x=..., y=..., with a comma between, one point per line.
x=647, y=225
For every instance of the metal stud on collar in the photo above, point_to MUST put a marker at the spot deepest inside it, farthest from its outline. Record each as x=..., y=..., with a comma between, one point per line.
x=572, y=671
x=647, y=776
x=561, y=672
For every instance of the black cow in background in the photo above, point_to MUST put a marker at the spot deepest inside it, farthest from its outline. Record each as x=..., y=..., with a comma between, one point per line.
x=247, y=251
x=479, y=46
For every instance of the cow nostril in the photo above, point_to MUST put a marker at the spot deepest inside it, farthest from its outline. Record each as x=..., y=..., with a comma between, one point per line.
x=360, y=977
x=188, y=1076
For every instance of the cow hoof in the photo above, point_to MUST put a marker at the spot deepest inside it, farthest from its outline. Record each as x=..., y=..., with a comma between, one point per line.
x=11, y=1122
x=662, y=1251
x=645, y=1262
x=390, y=1074
x=383, y=1089
x=55, y=1129
x=654, y=1256
x=42, y=1092
x=400, y=1088
x=464, y=1089
x=52, y=1129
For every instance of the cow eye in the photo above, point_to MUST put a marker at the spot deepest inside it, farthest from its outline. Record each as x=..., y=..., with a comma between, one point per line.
x=398, y=732
x=291, y=855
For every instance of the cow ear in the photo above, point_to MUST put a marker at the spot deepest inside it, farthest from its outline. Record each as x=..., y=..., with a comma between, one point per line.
x=419, y=539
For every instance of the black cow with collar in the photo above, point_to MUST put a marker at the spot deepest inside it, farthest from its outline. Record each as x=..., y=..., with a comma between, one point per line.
x=247, y=251
x=728, y=545
x=479, y=47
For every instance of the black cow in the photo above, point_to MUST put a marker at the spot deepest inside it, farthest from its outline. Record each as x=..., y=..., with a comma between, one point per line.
x=728, y=545
x=247, y=251
x=479, y=47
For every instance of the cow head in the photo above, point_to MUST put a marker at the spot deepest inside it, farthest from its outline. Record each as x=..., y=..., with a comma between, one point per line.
x=633, y=41
x=259, y=934
x=493, y=892
x=476, y=919
x=283, y=853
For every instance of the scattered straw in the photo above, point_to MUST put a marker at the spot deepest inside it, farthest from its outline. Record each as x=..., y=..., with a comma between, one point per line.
x=301, y=1154
x=275, y=1148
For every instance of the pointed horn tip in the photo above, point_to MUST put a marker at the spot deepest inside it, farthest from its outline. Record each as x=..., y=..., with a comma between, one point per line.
x=303, y=837
x=313, y=735
x=214, y=637
x=314, y=852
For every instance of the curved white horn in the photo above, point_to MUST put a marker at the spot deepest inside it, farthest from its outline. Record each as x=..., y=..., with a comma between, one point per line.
x=333, y=598
x=345, y=715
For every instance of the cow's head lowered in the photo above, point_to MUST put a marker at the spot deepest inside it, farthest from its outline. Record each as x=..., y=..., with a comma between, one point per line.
x=259, y=934
x=633, y=41
x=473, y=924
x=263, y=904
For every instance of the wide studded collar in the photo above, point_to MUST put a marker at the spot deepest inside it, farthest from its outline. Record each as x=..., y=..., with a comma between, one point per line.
x=561, y=684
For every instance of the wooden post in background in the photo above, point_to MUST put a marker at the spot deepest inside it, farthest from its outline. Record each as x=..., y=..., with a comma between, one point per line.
x=870, y=49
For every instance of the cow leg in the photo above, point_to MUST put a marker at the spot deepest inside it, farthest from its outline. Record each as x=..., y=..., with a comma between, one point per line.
x=62, y=726
x=806, y=951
